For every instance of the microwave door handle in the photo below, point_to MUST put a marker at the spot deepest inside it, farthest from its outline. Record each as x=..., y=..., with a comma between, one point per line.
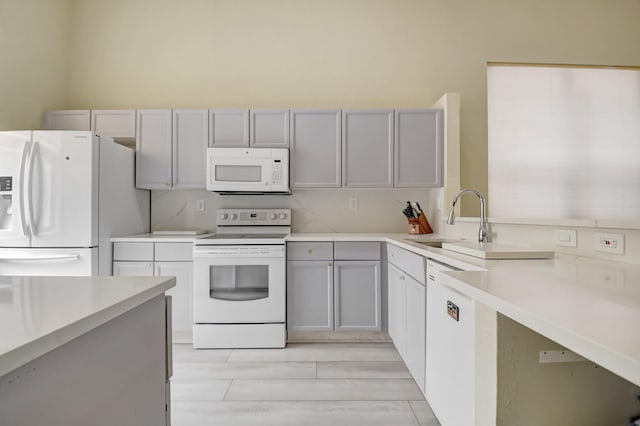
x=22, y=186
x=29, y=186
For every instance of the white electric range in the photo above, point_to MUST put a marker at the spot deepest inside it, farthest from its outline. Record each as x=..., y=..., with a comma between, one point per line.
x=239, y=287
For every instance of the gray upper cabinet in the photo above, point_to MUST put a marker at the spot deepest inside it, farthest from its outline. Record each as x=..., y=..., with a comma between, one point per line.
x=153, y=149
x=171, y=148
x=190, y=135
x=79, y=119
x=228, y=128
x=315, y=149
x=418, y=148
x=120, y=124
x=269, y=128
x=367, y=148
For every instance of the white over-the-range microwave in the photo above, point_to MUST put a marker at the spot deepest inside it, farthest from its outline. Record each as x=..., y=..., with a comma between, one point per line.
x=248, y=170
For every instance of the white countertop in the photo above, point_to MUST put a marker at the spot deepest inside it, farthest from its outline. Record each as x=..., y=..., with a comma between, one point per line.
x=592, y=307
x=39, y=314
x=588, y=305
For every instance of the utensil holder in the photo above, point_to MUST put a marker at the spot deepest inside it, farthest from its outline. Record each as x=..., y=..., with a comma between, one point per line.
x=414, y=226
x=419, y=225
x=425, y=228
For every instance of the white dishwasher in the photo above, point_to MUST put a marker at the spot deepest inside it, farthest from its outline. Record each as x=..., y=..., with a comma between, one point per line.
x=450, y=351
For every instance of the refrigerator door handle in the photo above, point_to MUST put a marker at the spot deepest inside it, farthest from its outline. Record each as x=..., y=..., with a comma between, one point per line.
x=56, y=257
x=21, y=188
x=29, y=195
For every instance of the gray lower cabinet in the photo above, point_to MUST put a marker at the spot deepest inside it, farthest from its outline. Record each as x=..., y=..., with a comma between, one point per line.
x=415, y=330
x=310, y=295
x=407, y=307
x=168, y=259
x=324, y=294
x=357, y=295
x=396, y=308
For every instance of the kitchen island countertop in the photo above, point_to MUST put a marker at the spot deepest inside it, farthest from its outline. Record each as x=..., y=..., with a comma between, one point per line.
x=40, y=314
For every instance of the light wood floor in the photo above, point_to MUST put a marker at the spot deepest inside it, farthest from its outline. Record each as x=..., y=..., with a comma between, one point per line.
x=303, y=384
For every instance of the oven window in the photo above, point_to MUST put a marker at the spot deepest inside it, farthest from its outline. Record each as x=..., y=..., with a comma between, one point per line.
x=239, y=282
x=226, y=173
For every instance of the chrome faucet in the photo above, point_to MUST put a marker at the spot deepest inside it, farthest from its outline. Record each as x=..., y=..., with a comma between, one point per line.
x=483, y=233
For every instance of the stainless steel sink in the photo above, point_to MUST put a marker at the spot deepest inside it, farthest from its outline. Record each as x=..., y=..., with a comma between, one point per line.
x=434, y=243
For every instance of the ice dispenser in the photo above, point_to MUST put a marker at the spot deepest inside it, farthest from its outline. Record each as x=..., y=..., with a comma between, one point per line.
x=6, y=201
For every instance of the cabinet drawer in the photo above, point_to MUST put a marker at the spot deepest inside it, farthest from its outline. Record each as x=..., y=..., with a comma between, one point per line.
x=310, y=251
x=356, y=250
x=133, y=251
x=411, y=263
x=174, y=252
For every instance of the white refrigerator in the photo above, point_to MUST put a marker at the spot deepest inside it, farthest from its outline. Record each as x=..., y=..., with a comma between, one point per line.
x=63, y=194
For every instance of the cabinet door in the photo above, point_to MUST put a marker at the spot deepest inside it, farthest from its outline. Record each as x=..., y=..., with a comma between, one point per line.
x=153, y=149
x=396, y=313
x=133, y=269
x=367, y=148
x=182, y=293
x=117, y=123
x=418, y=148
x=190, y=138
x=309, y=295
x=269, y=128
x=357, y=295
x=228, y=128
x=315, y=149
x=67, y=120
x=415, y=330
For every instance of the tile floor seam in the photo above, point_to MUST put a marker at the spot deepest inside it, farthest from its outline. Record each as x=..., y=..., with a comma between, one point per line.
x=228, y=389
x=414, y=413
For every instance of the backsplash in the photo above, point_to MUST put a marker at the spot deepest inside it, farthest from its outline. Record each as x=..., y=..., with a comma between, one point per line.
x=313, y=210
x=543, y=236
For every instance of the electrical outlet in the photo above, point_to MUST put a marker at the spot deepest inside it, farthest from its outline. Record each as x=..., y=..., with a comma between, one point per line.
x=566, y=237
x=200, y=205
x=610, y=243
x=353, y=203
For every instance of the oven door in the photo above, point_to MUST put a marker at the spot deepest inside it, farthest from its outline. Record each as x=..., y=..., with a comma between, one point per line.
x=239, y=284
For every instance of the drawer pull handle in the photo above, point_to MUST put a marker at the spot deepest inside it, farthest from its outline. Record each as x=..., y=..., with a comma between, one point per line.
x=310, y=251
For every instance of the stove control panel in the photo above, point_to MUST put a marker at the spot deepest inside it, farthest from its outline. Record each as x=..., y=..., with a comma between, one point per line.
x=252, y=217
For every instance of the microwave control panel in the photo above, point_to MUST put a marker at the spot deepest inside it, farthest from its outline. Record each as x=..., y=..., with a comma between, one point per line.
x=276, y=172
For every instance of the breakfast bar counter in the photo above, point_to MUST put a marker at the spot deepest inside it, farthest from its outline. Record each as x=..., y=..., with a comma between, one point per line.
x=84, y=350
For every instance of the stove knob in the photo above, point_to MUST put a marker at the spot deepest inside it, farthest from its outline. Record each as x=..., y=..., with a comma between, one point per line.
x=223, y=216
x=234, y=216
x=273, y=216
x=282, y=216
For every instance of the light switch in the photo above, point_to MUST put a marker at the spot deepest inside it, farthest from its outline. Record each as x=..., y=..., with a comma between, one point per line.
x=566, y=237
